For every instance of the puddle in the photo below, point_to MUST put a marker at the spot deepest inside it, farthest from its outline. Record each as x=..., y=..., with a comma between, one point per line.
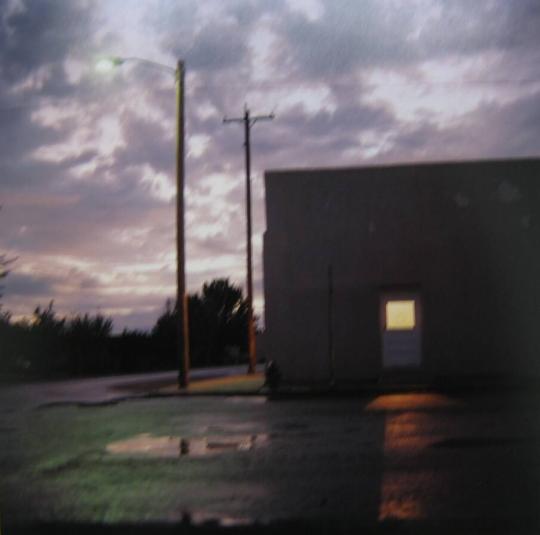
x=170, y=447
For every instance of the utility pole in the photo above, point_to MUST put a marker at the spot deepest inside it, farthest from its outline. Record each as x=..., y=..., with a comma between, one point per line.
x=249, y=121
x=181, y=296
x=182, y=329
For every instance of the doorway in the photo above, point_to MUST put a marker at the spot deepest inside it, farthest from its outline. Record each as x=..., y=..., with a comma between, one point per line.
x=401, y=330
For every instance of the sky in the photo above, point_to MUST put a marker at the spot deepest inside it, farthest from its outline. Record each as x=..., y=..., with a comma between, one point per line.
x=87, y=159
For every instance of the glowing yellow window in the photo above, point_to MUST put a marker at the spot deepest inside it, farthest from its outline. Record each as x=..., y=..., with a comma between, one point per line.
x=400, y=316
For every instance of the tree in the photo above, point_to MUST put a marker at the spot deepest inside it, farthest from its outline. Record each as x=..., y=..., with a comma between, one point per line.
x=43, y=340
x=3, y=268
x=220, y=314
x=217, y=325
x=4, y=271
x=164, y=334
x=87, y=344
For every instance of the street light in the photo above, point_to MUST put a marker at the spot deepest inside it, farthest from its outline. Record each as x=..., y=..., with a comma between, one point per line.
x=107, y=64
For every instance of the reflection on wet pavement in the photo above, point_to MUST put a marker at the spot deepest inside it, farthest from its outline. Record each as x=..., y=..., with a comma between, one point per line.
x=169, y=447
x=396, y=502
x=206, y=463
x=403, y=493
x=398, y=499
x=422, y=401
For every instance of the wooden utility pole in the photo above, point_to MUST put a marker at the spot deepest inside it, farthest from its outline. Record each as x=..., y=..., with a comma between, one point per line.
x=248, y=123
x=181, y=296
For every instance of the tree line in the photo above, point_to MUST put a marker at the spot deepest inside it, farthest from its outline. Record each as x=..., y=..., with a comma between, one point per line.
x=47, y=345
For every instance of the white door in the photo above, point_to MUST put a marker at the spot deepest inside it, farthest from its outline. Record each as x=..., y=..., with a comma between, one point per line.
x=401, y=331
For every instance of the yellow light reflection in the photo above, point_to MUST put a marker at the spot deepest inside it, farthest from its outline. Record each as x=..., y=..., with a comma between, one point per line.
x=397, y=505
x=411, y=401
x=409, y=493
x=402, y=496
x=400, y=315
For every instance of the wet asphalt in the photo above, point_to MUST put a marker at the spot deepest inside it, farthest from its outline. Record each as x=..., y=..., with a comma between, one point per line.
x=100, y=389
x=412, y=462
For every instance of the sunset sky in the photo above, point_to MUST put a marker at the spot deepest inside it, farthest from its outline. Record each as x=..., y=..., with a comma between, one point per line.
x=87, y=159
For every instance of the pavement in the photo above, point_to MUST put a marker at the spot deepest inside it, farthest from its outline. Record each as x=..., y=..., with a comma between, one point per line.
x=410, y=462
x=97, y=390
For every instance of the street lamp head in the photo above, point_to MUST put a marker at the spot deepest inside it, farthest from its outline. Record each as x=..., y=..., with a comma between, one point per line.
x=108, y=64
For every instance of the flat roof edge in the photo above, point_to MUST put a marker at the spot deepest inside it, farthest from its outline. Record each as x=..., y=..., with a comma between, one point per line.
x=433, y=163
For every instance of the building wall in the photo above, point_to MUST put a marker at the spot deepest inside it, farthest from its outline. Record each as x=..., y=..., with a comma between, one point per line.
x=466, y=235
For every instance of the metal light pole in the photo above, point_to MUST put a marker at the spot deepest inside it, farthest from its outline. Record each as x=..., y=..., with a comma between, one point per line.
x=181, y=296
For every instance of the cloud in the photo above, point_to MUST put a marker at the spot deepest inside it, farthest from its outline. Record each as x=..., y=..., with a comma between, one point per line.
x=490, y=131
x=20, y=284
x=145, y=141
x=347, y=36
x=87, y=163
x=37, y=37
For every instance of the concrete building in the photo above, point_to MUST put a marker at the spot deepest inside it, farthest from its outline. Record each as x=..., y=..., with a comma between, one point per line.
x=431, y=267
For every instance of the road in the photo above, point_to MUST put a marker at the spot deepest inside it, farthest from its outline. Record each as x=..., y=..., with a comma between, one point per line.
x=412, y=463
x=97, y=389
